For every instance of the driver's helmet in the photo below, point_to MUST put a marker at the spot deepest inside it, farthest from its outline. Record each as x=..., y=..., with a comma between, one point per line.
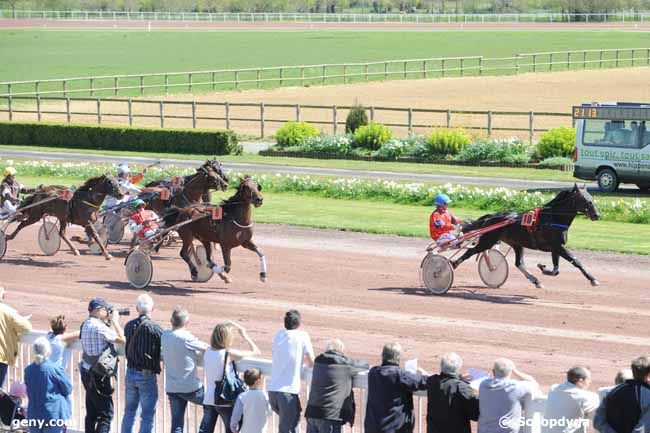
x=442, y=200
x=123, y=170
x=137, y=203
x=9, y=171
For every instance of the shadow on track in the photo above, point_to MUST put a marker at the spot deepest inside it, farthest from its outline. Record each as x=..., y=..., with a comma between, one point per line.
x=29, y=261
x=469, y=293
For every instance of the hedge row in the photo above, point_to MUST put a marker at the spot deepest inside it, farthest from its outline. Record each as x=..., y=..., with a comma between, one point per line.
x=189, y=141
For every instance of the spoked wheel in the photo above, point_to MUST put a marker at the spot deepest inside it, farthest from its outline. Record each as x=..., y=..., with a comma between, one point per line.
x=115, y=228
x=48, y=238
x=3, y=244
x=199, y=259
x=102, y=232
x=493, y=268
x=139, y=269
x=437, y=274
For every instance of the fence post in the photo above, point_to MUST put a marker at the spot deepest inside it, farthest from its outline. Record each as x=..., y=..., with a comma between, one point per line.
x=386, y=71
x=372, y=114
x=130, y=105
x=568, y=61
x=584, y=60
x=410, y=120
x=227, y=107
x=302, y=77
x=334, y=119
x=67, y=108
x=281, y=76
x=9, y=89
x=632, y=56
x=65, y=88
x=448, y=118
x=193, y=114
x=489, y=123
x=480, y=65
x=189, y=79
x=462, y=72
x=424, y=69
x=297, y=112
x=647, y=57
x=345, y=73
x=324, y=73
x=116, y=86
x=142, y=84
x=531, y=126
x=405, y=70
x=617, y=58
x=262, y=119
x=38, y=107
x=601, y=59
x=237, y=80
x=259, y=73
x=365, y=67
x=550, y=63
x=99, y=111
x=37, y=86
x=442, y=67
x=534, y=62
x=166, y=84
x=10, y=108
x=92, y=90
x=162, y=114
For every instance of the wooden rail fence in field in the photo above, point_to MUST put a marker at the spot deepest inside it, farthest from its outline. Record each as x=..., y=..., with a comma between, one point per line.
x=336, y=73
x=260, y=119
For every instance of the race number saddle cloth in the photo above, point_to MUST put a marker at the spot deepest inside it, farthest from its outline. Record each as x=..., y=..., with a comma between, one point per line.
x=214, y=212
x=530, y=219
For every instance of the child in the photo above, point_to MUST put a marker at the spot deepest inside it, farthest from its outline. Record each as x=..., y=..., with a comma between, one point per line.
x=253, y=405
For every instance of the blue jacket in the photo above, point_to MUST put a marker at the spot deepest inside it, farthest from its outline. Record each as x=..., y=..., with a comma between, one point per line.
x=48, y=388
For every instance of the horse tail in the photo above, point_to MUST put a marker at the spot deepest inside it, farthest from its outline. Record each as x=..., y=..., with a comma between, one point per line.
x=487, y=220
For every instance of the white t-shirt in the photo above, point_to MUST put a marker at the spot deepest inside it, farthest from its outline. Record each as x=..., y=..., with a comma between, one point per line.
x=253, y=407
x=289, y=350
x=569, y=405
x=213, y=368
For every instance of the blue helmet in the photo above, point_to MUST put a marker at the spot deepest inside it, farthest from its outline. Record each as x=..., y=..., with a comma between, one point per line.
x=442, y=200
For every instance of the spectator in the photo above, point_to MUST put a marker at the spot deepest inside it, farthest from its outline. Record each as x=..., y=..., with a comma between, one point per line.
x=100, y=330
x=451, y=402
x=221, y=343
x=390, y=394
x=623, y=375
x=48, y=390
x=291, y=347
x=331, y=402
x=143, y=365
x=570, y=404
x=180, y=352
x=501, y=398
x=12, y=326
x=59, y=340
x=252, y=405
x=626, y=409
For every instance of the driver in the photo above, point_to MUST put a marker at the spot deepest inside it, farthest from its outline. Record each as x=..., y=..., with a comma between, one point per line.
x=143, y=222
x=10, y=191
x=127, y=185
x=442, y=222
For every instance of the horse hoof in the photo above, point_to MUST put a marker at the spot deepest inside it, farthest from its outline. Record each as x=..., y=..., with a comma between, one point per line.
x=539, y=285
x=76, y=253
x=109, y=257
x=225, y=278
x=262, y=279
x=194, y=277
x=595, y=283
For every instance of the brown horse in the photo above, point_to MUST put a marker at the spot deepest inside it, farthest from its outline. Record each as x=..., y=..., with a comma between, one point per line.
x=234, y=229
x=81, y=210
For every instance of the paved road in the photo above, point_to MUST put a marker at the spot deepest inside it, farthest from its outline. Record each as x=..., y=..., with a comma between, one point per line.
x=286, y=169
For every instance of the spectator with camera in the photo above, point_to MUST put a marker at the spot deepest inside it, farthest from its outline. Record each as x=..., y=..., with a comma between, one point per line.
x=12, y=326
x=143, y=366
x=99, y=334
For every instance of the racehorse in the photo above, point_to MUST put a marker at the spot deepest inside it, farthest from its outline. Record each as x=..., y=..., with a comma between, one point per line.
x=548, y=232
x=81, y=210
x=235, y=228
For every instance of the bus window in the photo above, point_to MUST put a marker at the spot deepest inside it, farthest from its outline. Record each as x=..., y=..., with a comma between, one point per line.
x=613, y=133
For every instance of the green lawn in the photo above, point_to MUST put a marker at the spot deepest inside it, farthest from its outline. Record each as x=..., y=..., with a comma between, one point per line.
x=399, y=167
x=407, y=220
x=41, y=54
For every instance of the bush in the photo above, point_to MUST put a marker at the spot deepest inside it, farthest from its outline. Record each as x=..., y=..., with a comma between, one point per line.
x=444, y=142
x=357, y=117
x=189, y=141
x=556, y=162
x=338, y=144
x=511, y=151
x=295, y=134
x=372, y=136
x=557, y=142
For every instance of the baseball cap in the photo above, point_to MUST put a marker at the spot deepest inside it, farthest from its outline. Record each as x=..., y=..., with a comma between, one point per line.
x=98, y=303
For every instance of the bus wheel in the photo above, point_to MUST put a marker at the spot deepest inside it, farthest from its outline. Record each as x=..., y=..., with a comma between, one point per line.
x=607, y=180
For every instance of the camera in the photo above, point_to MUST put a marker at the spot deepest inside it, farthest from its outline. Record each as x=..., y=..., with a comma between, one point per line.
x=120, y=311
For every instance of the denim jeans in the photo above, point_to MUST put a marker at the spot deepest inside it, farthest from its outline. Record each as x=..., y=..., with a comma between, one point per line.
x=178, y=403
x=210, y=416
x=55, y=429
x=287, y=406
x=316, y=425
x=3, y=374
x=99, y=402
x=141, y=390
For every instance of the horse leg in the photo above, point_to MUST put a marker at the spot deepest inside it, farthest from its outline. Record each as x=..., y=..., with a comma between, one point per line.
x=519, y=262
x=62, y=228
x=566, y=255
x=92, y=233
x=186, y=251
x=249, y=245
x=21, y=226
x=556, y=266
x=223, y=271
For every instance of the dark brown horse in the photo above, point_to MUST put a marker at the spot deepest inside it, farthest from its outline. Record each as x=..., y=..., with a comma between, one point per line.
x=82, y=209
x=234, y=229
x=548, y=232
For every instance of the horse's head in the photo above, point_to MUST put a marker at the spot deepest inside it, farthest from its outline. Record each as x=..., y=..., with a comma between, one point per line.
x=110, y=186
x=250, y=192
x=218, y=168
x=584, y=202
x=213, y=179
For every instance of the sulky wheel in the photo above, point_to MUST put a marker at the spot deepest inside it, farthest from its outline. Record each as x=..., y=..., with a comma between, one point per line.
x=437, y=274
x=493, y=268
x=200, y=260
x=3, y=244
x=48, y=238
x=139, y=269
x=115, y=227
x=102, y=232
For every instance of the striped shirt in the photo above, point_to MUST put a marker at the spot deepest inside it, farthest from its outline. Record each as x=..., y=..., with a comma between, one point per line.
x=143, y=345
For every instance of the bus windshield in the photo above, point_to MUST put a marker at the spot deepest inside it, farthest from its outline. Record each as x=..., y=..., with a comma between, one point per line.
x=615, y=133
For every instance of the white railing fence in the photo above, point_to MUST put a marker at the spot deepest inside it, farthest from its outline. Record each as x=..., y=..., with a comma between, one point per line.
x=260, y=119
x=332, y=73
x=162, y=424
x=557, y=17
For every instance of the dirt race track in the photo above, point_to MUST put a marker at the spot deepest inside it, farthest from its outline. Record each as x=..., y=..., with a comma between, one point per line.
x=364, y=289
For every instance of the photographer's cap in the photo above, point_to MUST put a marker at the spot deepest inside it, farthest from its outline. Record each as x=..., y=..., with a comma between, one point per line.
x=98, y=303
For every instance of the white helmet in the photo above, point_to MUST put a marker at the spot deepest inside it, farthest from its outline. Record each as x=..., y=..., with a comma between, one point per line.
x=123, y=169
